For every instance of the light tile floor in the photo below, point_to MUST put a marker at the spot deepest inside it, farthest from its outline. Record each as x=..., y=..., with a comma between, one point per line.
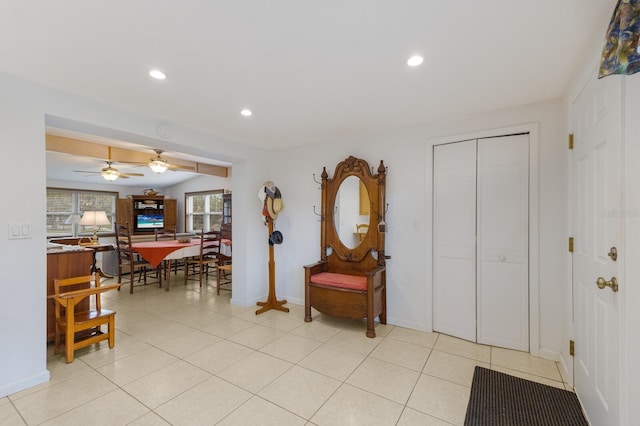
x=189, y=357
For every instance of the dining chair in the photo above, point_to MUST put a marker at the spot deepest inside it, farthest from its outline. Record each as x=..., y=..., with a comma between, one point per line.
x=128, y=261
x=167, y=234
x=223, y=256
x=209, y=242
x=73, y=316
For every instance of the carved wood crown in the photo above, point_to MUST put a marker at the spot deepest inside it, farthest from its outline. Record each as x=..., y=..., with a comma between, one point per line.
x=352, y=165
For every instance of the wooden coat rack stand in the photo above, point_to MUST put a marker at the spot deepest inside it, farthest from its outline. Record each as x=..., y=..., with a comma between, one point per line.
x=272, y=302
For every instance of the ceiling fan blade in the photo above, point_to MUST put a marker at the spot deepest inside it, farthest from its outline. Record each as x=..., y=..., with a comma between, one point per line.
x=85, y=171
x=130, y=174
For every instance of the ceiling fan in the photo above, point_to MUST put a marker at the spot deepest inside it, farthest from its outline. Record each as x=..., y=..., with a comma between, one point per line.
x=110, y=173
x=161, y=165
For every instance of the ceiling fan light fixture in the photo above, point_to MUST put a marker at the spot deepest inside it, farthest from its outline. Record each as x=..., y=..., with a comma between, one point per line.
x=158, y=165
x=110, y=174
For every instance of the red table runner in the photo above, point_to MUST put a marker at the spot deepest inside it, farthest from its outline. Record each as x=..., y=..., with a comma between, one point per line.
x=154, y=252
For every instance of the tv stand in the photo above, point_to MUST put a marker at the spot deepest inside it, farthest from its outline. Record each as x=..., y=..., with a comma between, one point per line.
x=127, y=209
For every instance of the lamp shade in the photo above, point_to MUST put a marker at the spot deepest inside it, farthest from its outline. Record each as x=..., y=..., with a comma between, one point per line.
x=73, y=219
x=94, y=218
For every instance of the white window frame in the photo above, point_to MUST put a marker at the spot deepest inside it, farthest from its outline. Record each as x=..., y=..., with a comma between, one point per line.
x=188, y=209
x=76, y=229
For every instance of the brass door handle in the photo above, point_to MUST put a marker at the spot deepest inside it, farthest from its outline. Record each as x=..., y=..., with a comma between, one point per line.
x=602, y=283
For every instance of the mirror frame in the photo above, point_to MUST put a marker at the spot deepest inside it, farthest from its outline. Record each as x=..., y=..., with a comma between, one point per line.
x=375, y=186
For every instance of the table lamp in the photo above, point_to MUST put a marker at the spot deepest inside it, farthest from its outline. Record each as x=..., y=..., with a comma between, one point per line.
x=96, y=219
x=72, y=220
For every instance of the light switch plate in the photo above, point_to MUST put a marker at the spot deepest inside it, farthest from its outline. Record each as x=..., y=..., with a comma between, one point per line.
x=20, y=231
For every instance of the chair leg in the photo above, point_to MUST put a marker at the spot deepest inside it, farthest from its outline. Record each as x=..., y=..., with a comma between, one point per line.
x=218, y=280
x=56, y=344
x=68, y=345
x=112, y=331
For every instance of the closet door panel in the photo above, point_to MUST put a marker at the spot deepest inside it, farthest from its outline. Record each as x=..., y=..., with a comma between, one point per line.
x=454, y=266
x=503, y=228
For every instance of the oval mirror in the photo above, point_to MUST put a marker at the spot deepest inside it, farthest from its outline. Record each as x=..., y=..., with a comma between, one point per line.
x=351, y=218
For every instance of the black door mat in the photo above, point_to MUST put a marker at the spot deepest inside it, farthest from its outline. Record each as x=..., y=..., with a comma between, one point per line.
x=498, y=399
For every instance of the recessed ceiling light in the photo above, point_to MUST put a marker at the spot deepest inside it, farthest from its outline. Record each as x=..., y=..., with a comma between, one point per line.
x=157, y=74
x=246, y=112
x=415, y=60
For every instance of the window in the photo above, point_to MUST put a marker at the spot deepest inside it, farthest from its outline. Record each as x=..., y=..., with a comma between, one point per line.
x=203, y=210
x=61, y=203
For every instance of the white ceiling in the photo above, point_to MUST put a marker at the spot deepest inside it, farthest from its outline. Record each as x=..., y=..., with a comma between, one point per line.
x=311, y=71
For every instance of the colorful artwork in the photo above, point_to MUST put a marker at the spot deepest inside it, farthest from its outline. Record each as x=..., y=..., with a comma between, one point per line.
x=620, y=54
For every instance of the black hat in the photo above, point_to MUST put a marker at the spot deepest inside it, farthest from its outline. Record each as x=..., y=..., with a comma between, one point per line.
x=275, y=238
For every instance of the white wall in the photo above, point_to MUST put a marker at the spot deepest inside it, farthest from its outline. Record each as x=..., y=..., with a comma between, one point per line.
x=404, y=152
x=24, y=106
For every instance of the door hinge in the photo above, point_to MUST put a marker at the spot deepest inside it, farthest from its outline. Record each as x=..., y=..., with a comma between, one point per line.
x=572, y=348
x=570, y=244
x=570, y=140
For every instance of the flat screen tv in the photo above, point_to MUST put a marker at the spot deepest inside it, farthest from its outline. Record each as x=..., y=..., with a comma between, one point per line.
x=149, y=222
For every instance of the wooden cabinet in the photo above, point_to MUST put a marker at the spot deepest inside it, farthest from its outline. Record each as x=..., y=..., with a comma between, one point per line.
x=171, y=214
x=226, y=208
x=65, y=264
x=130, y=209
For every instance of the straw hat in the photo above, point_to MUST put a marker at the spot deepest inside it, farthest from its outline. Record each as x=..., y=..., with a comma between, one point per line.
x=274, y=206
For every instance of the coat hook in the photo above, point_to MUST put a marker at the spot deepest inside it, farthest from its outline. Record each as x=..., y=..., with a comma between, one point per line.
x=318, y=214
x=380, y=217
x=319, y=183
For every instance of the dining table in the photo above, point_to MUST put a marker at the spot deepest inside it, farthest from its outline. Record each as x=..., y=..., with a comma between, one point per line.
x=155, y=252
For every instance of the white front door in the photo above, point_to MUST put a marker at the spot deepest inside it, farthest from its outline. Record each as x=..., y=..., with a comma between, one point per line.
x=596, y=204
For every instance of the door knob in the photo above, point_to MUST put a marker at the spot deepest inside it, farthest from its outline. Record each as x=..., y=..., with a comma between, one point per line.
x=602, y=283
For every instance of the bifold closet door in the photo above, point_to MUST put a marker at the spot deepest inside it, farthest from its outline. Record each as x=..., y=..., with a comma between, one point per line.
x=454, y=231
x=480, y=247
x=503, y=242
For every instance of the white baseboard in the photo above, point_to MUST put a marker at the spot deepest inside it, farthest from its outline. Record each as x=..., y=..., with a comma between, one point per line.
x=23, y=384
x=406, y=324
x=549, y=354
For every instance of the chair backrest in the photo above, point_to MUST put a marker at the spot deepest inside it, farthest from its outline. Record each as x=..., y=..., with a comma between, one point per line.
x=209, y=242
x=224, y=248
x=76, y=283
x=165, y=234
x=123, y=242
